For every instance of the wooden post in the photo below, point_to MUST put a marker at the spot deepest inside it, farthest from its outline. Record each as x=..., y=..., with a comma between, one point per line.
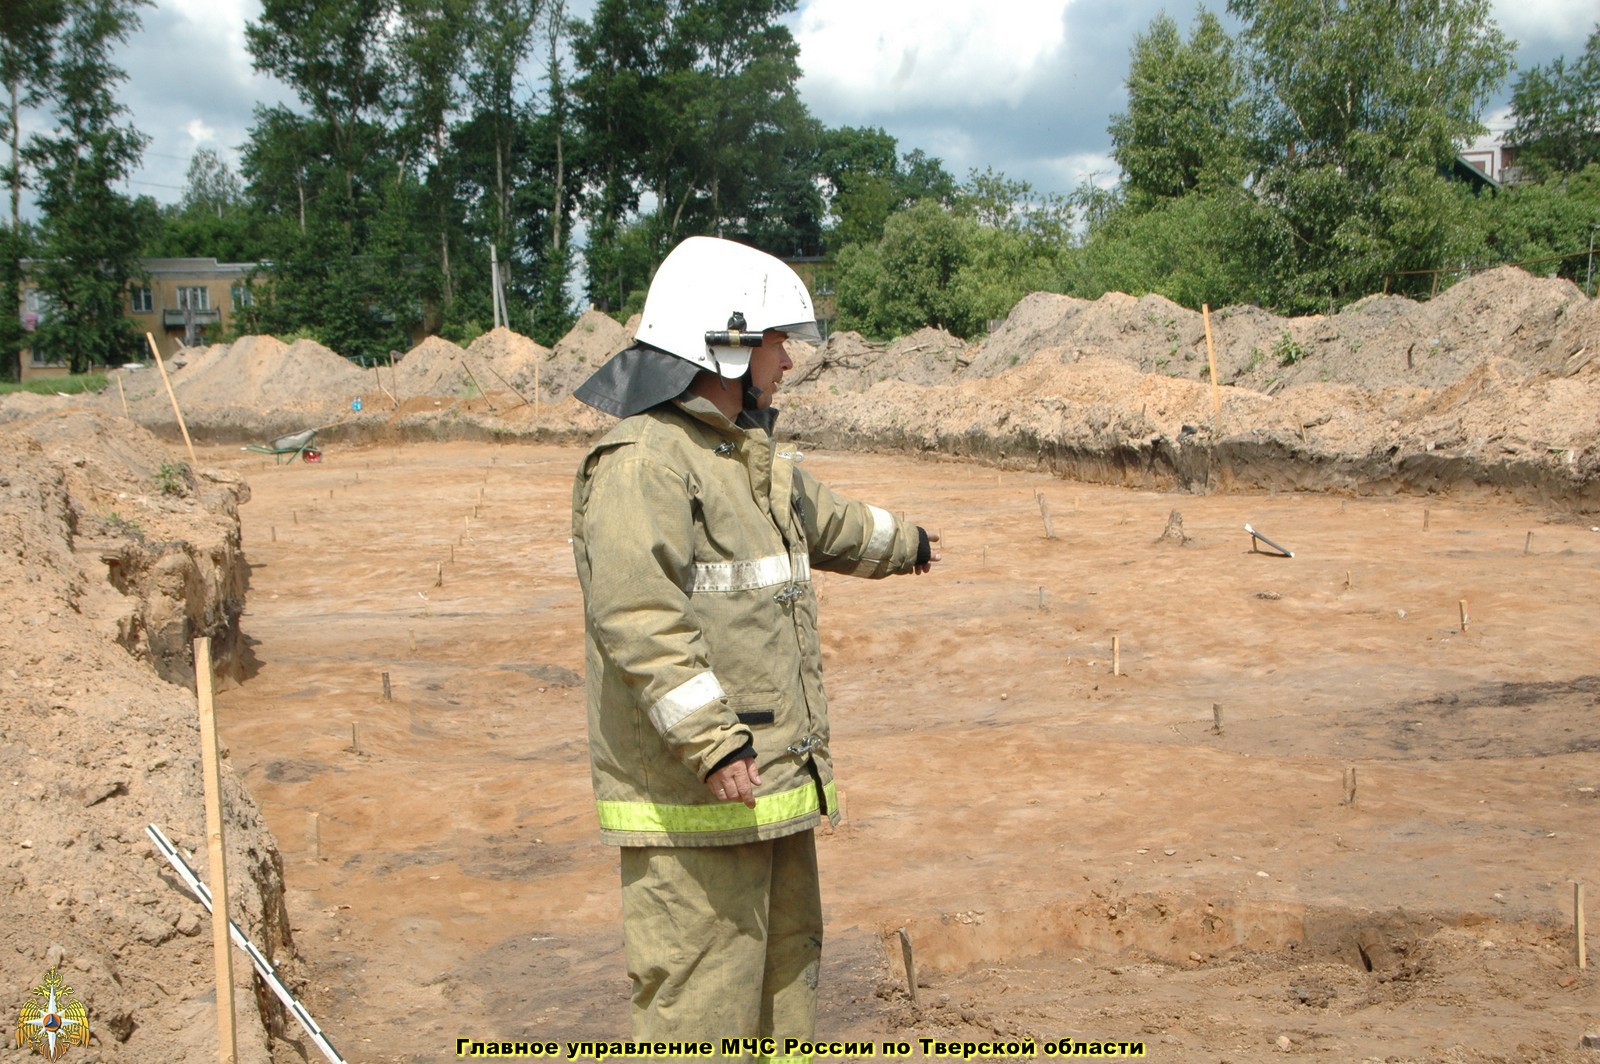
x=386, y=696
x=210, y=772
x=1425, y=516
x=1527, y=544
x=123, y=394
x=315, y=834
x=1041, y=598
x=1044, y=512
x=355, y=740
x=1463, y=615
x=1216, y=718
x=911, y=967
x=1350, y=785
x=438, y=581
x=1116, y=655
x=1580, y=951
x=274, y=533
x=162, y=366
x=478, y=386
x=1211, y=360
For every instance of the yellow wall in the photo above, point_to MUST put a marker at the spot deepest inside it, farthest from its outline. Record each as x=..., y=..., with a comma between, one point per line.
x=165, y=278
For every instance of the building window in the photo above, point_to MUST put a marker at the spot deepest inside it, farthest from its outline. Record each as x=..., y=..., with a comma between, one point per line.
x=140, y=299
x=194, y=297
x=243, y=296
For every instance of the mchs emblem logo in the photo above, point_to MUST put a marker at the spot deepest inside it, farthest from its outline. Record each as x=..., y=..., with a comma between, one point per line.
x=52, y=1019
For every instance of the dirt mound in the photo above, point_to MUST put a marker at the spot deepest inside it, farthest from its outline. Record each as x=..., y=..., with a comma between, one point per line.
x=593, y=338
x=434, y=367
x=118, y=556
x=513, y=360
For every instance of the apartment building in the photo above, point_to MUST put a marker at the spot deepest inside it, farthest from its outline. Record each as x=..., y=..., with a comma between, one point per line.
x=179, y=302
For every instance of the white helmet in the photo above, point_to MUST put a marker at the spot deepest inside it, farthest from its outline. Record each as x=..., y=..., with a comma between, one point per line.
x=712, y=299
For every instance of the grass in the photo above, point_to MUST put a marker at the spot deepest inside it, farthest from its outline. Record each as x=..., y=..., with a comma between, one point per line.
x=76, y=384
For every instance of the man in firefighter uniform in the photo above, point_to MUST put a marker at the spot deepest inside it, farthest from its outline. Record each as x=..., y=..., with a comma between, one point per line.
x=695, y=540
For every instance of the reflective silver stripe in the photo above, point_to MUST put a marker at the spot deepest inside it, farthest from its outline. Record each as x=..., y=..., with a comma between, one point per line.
x=883, y=525
x=684, y=700
x=770, y=571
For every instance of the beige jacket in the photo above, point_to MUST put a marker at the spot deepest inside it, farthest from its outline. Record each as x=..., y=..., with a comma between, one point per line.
x=694, y=543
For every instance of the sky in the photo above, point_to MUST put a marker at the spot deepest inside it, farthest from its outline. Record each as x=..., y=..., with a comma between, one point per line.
x=1026, y=87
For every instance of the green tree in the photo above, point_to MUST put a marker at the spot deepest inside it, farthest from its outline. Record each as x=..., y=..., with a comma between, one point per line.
x=1555, y=114
x=1533, y=221
x=212, y=218
x=1187, y=122
x=90, y=234
x=694, y=103
x=27, y=28
x=1363, y=105
x=867, y=181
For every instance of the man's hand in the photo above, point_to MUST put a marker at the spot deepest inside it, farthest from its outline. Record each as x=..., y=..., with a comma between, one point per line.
x=933, y=555
x=736, y=782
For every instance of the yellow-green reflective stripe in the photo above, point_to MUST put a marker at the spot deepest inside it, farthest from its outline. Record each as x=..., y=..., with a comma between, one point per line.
x=723, y=816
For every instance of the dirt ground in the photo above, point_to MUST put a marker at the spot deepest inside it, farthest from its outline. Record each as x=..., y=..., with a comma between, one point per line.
x=1072, y=847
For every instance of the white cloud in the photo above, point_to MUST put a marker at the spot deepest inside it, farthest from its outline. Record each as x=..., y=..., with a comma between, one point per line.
x=863, y=57
x=1547, y=28
x=199, y=132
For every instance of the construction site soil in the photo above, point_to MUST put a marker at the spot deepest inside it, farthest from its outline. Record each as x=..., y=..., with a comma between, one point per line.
x=1117, y=770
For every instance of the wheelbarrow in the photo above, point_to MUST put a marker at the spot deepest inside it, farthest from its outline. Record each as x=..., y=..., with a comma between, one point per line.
x=301, y=443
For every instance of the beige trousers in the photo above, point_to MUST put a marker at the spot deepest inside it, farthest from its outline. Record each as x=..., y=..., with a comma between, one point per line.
x=723, y=941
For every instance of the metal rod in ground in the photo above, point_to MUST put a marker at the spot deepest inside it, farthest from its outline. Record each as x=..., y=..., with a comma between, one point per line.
x=911, y=967
x=210, y=772
x=1254, y=536
x=263, y=966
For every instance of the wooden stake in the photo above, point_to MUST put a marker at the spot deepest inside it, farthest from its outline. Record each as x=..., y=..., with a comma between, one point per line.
x=911, y=967
x=294, y=516
x=1347, y=579
x=1527, y=544
x=355, y=740
x=386, y=695
x=452, y=552
x=1350, y=785
x=1116, y=655
x=438, y=581
x=123, y=395
x=1580, y=951
x=182, y=427
x=1044, y=512
x=210, y=772
x=1041, y=598
x=1216, y=718
x=274, y=533
x=1425, y=518
x=1463, y=615
x=315, y=833
x=1211, y=360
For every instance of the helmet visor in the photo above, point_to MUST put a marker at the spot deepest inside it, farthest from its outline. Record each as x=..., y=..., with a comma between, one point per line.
x=804, y=331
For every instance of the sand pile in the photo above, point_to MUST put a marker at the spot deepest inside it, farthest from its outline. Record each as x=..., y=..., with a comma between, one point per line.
x=513, y=360
x=1497, y=369
x=594, y=338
